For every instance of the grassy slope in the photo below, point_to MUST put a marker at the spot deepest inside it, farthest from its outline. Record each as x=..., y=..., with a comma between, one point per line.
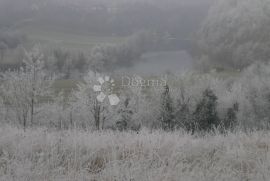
x=108, y=156
x=55, y=37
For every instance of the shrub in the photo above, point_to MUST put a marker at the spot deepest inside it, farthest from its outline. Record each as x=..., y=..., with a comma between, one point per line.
x=230, y=120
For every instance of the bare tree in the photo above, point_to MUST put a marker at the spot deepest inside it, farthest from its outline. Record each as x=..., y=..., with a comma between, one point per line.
x=23, y=89
x=86, y=101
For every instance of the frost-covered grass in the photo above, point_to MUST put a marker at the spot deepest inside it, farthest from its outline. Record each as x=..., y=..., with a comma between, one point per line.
x=40, y=155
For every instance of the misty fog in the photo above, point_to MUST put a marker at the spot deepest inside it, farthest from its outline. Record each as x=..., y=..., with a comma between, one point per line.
x=134, y=90
x=77, y=26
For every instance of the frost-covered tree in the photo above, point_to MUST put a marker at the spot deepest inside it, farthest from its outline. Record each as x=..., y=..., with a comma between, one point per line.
x=183, y=116
x=96, y=113
x=252, y=92
x=235, y=34
x=167, y=110
x=125, y=112
x=145, y=106
x=27, y=87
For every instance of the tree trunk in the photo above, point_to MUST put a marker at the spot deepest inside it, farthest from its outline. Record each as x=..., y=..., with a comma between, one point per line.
x=71, y=120
x=24, y=122
x=32, y=111
x=97, y=115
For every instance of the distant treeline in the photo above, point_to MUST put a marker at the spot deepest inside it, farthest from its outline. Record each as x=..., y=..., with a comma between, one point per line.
x=102, y=58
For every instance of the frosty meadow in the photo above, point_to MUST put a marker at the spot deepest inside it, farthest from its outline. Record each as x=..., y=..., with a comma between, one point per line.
x=134, y=90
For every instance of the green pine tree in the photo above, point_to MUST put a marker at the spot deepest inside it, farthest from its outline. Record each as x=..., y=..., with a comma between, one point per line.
x=205, y=115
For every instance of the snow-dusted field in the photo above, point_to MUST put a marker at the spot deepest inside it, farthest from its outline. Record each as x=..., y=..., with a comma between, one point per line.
x=39, y=155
